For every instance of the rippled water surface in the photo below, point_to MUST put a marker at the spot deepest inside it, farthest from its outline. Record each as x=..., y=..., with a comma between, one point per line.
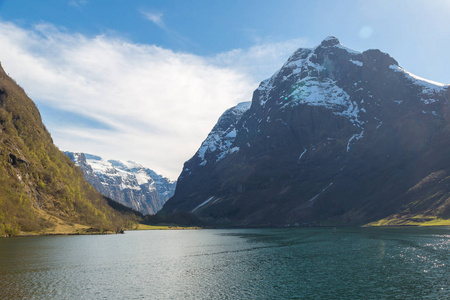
x=304, y=263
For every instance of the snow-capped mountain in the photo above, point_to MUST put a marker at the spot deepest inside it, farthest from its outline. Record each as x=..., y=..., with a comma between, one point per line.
x=222, y=136
x=333, y=136
x=128, y=182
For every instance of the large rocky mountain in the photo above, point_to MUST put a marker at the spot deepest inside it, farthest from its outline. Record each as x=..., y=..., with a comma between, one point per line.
x=128, y=183
x=41, y=190
x=334, y=137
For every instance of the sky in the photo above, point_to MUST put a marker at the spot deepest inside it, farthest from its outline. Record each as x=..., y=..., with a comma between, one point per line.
x=147, y=80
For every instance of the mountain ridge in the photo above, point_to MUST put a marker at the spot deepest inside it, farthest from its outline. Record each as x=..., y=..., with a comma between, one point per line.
x=334, y=136
x=128, y=183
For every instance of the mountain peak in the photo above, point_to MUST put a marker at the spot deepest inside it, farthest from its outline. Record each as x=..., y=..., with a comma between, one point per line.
x=126, y=182
x=330, y=41
x=317, y=144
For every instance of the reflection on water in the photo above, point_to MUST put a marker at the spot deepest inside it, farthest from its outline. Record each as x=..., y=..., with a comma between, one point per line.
x=304, y=263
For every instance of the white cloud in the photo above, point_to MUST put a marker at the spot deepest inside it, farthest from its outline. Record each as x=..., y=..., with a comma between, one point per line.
x=157, y=105
x=259, y=61
x=155, y=17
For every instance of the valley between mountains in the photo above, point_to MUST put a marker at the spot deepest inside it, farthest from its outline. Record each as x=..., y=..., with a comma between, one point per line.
x=334, y=138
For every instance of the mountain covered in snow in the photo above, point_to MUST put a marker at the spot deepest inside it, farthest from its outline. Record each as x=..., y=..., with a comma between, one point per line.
x=334, y=137
x=128, y=183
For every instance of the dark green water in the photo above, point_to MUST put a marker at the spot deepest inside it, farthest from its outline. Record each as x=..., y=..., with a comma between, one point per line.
x=309, y=263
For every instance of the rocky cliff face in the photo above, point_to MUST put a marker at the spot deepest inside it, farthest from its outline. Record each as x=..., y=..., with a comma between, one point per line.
x=335, y=136
x=128, y=183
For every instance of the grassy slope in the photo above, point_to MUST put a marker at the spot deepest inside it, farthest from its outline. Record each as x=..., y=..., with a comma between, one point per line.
x=415, y=220
x=431, y=206
x=41, y=190
x=164, y=227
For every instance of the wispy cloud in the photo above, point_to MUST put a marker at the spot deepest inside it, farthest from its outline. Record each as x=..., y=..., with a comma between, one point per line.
x=261, y=60
x=155, y=17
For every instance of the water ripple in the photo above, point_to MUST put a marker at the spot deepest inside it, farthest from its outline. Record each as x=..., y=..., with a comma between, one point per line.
x=305, y=263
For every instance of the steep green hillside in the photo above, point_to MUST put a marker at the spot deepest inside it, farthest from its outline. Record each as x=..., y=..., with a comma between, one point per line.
x=40, y=188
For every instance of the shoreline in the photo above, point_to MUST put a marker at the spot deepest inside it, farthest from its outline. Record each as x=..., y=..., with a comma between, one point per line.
x=164, y=227
x=143, y=227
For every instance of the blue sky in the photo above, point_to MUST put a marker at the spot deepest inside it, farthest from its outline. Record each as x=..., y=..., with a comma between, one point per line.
x=147, y=80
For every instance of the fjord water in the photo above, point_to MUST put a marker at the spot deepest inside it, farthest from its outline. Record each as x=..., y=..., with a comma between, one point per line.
x=303, y=263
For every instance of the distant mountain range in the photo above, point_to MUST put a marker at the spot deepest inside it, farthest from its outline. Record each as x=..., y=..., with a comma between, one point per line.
x=334, y=137
x=41, y=190
x=128, y=183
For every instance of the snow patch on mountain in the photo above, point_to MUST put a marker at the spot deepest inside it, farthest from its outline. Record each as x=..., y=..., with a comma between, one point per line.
x=430, y=89
x=311, y=201
x=355, y=137
x=202, y=204
x=418, y=80
x=309, y=86
x=312, y=91
x=221, y=138
x=356, y=62
x=301, y=155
